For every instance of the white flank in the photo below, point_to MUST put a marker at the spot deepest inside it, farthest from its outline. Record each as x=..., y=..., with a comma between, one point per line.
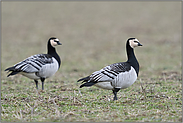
x=125, y=79
x=49, y=70
x=104, y=85
x=122, y=80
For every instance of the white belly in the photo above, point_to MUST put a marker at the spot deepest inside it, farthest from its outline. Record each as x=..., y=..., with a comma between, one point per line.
x=30, y=75
x=125, y=79
x=104, y=85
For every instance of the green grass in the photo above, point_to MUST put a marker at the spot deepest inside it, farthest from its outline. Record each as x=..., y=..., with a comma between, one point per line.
x=92, y=38
x=141, y=102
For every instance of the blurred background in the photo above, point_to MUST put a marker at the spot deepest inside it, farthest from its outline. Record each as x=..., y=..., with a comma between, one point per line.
x=94, y=34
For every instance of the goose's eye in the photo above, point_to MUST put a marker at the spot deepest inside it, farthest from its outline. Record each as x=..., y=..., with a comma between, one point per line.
x=136, y=41
x=57, y=41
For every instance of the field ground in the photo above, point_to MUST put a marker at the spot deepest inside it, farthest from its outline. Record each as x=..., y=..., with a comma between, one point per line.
x=93, y=35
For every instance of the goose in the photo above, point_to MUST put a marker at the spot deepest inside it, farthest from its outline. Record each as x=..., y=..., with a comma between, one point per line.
x=118, y=75
x=40, y=66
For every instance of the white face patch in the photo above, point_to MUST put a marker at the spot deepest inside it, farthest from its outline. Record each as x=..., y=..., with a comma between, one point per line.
x=53, y=43
x=133, y=43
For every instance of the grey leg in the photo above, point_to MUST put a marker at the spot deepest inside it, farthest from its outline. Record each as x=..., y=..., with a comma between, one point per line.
x=36, y=83
x=42, y=80
x=115, y=93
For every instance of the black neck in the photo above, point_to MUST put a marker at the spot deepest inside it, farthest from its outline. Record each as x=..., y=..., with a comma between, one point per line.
x=131, y=58
x=52, y=52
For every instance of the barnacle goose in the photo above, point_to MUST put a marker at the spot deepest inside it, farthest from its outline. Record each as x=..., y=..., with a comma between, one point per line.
x=40, y=66
x=118, y=75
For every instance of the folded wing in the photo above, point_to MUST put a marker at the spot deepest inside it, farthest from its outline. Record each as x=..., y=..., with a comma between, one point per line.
x=31, y=64
x=107, y=74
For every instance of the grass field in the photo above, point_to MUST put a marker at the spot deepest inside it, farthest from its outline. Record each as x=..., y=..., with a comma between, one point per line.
x=93, y=35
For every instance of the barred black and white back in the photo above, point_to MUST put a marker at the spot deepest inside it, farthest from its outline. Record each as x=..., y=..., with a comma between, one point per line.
x=118, y=75
x=40, y=66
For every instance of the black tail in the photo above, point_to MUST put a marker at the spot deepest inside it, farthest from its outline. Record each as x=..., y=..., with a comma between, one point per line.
x=84, y=79
x=13, y=71
x=10, y=69
x=87, y=84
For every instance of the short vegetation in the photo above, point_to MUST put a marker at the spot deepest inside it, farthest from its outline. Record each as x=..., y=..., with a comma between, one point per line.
x=92, y=38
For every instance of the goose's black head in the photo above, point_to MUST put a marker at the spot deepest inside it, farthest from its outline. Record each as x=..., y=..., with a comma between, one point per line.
x=133, y=42
x=54, y=41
